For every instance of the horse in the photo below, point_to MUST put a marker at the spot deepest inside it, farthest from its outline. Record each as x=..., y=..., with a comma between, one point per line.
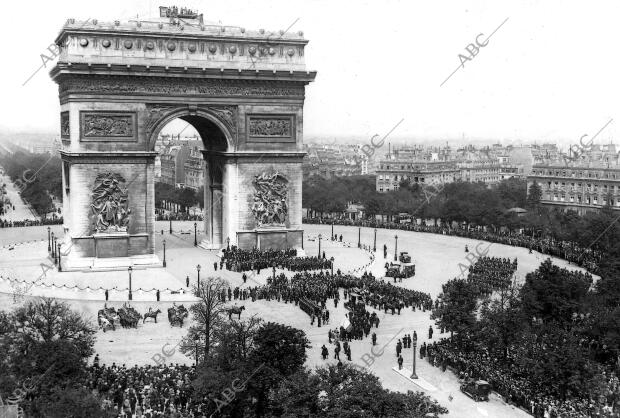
x=129, y=317
x=151, y=314
x=235, y=311
x=110, y=315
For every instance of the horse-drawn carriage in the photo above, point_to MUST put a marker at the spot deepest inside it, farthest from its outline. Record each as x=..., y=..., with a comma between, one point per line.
x=176, y=315
x=126, y=316
x=129, y=317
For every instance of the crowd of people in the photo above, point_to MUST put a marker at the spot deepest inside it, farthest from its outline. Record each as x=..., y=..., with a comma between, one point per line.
x=236, y=259
x=146, y=391
x=178, y=216
x=470, y=360
x=587, y=258
x=491, y=273
x=30, y=222
x=360, y=292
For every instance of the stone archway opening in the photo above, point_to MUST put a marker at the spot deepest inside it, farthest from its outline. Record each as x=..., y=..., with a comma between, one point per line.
x=193, y=158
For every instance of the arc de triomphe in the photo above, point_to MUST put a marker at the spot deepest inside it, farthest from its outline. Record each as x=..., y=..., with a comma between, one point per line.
x=120, y=83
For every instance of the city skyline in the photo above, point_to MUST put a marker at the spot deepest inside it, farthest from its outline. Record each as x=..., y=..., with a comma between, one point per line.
x=535, y=80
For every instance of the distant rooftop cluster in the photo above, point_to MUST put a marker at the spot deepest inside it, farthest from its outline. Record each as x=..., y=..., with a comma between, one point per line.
x=336, y=160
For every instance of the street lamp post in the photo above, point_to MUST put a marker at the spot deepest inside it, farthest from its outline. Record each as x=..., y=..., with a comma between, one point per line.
x=374, y=246
x=49, y=240
x=164, y=242
x=359, y=237
x=332, y=260
x=195, y=238
x=198, y=270
x=415, y=343
x=396, y=248
x=170, y=229
x=320, y=236
x=53, y=249
x=59, y=256
x=332, y=230
x=129, y=269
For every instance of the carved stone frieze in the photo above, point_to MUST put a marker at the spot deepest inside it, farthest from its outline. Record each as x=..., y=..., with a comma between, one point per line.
x=99, y=125
x=280, y=127
x=163, y=86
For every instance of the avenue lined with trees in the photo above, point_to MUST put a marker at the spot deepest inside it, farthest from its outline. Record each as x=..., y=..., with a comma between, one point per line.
x=36, y=176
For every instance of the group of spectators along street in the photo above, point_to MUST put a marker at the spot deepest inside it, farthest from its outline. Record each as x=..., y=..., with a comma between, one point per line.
x=587, y=258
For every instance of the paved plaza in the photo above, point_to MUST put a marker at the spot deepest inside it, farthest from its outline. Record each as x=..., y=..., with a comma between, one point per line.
x=438, y=258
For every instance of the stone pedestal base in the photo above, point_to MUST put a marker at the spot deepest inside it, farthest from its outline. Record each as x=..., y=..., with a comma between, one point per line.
x=265, y=239
x=111, y=245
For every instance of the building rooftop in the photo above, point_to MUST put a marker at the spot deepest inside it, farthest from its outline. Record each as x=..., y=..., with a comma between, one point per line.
x=189, y=42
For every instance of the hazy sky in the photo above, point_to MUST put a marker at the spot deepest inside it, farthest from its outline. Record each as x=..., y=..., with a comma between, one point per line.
x=549, y=73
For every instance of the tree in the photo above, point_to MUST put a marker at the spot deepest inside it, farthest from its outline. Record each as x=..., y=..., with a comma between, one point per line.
x=280, y=347
x=207, y=313
x=502, y=320
x=561, y=364
x=280, y=352
x=456, y=310
x=347, y=392
x=552, y=293
x=48, y=320
x=47, y=344
x=534, y=195
x=227, y=365
x=186, y=198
